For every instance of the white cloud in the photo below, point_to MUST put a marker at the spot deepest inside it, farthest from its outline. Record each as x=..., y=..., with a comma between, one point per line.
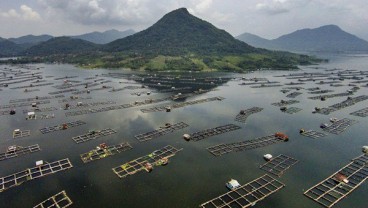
x=274, y=7
x=25, y=13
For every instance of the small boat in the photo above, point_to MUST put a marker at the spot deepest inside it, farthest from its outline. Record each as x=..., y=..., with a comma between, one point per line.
x=341, y=178
x=148, y=166
x=267, y=157
x=232, y=184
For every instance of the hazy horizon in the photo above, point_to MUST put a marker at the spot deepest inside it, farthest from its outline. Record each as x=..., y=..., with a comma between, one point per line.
x=268, y=18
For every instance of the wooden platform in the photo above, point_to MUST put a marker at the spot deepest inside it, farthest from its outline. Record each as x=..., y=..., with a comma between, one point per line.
x=28, y=174
x=100, y=153
x=361, y=113
x=246, y=195
x=59, y=200
x=168, y=128
x=331, y=190
x=313, y=134
x=278, y=165
x=244, y=114
x=221, y=149
x=339, y=126
x=21, y=134
x=18, y=151
x=60, y=126
x=196, y=136
x=137, y=165
x=93, y=135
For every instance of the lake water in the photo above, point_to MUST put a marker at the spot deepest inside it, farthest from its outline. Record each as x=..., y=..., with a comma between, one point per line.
x=193, y=175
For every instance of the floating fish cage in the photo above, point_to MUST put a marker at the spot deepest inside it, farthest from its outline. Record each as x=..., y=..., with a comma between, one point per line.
x=313, y=134
x=94, y=134
x=180, y=105
x=103, y=151
x=59, y=200
x=196, y=136
x=340, y=184
x=339, y=126
x=246, y=195
x=168, y=128
x=220, y=149
x=244, y=114
x=285, y=102
x=28, y=174
x=278, y=165
x=361, y=113
x=17, y=133
x=62, y=126
x=147, y=162
x=15, y=151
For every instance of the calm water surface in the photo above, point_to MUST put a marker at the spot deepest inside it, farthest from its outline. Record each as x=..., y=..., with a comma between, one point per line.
x=193, y=176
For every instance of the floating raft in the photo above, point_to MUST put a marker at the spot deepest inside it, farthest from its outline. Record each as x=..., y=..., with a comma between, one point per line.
x=62, y=91
x=15, y=105
x=86, y=105
x=219, y=150
x=59, y=200
x=331, y=95
x=244, y=114
x=362, y=113
x=291, y=110
x=102, y=152
x=21, y=134
x=285, y=102
x=180, y=105
x=321, y=91
x=333, y=189
x=60, y=127
x=155, y=159
x=116, y=107
x=339, y=126
x=93, y=135
x=168, y=128
x=293, y=94
x=313, y=134
x=278, y=165
x=73, y=98
x=17, y=179
x=341, y=105
x=213, y=131
x=18, y=151
x=246, y=195
x=48, y=109
x=35, y=99
x=266, y=85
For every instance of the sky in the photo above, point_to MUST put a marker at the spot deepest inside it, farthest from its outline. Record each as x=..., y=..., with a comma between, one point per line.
x=266, y=18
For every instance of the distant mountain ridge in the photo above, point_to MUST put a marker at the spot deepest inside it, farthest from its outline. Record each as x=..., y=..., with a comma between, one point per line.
x=104, y=37
x=328, y=38
x=61, y=45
